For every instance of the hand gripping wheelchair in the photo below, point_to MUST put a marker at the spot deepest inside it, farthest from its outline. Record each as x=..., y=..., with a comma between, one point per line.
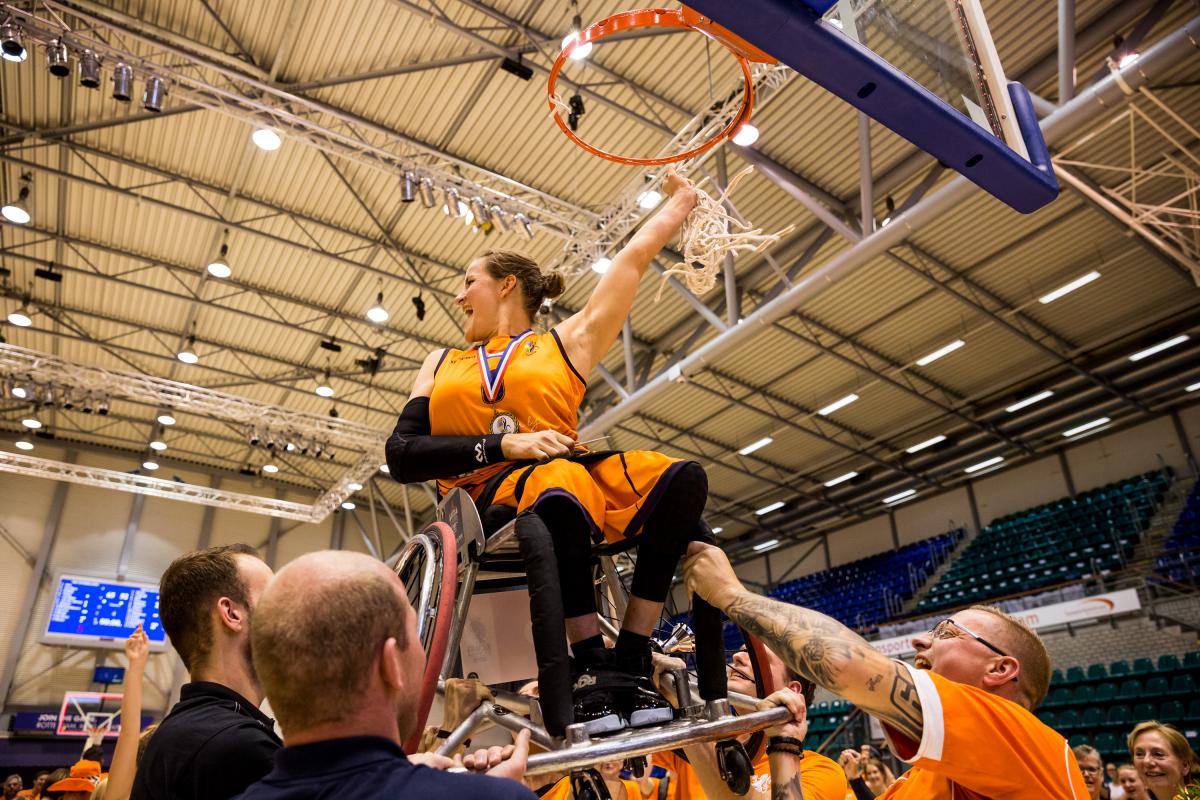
x=440, y=566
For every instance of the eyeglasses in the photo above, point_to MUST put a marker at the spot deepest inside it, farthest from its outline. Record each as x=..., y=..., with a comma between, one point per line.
x=945, y=630
x=1090, y=770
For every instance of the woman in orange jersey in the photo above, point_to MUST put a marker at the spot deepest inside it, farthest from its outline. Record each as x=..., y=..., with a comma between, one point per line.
x=499, y=420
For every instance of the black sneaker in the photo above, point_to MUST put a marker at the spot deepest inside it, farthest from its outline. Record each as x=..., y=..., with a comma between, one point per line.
x=647, y=706
x=598, y=693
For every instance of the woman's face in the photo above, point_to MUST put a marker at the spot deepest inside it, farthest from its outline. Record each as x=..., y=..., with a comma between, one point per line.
x=1131, y=783
x=480, y=301
x=610, y=770
x=1157, y=765
x=876, y=780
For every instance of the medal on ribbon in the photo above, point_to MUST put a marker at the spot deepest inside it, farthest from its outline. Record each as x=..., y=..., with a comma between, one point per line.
x=492, y=381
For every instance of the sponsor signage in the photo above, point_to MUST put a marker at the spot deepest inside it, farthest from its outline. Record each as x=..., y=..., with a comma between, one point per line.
x=1084, y=608
x=46, y=722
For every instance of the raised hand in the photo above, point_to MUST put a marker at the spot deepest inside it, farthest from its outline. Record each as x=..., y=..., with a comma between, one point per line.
x=137, y=648
x=851, y=761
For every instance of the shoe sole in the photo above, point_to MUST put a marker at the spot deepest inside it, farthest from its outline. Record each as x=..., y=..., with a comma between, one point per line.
x=650, y=716
x=606, y=724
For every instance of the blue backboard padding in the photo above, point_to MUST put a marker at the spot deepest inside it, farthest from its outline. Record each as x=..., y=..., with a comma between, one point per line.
x=1035, y=143
x=818, y=7
x=864, y=80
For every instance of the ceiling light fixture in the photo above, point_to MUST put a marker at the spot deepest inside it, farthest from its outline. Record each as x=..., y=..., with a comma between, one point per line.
x=901, y=497
x=377, y=313
x=649, y=199
x=408, y=187
x=149, y=465
x=1028, y=401
x=89, y=70
x=750, y=448
x=219, y=266
x=324, y=387
x=267, y=139
x=158, y=445
x=384, y=469
x=349, y=506
x=919, y=446
x=526, y=225
x=188, y=354
x=1067, y=288
x=58, y=58
x=354, y=486
x=1191, y=388
x=453, y=207
x=601, y=265
x=24, y=444
x=165, y=419
x=890, y=205
x=941, y=352
x=270, y=469
x=769, y=508
x=717, y=530
x=746, y=135
x=1085, y=427
x=32, y=423
x=19, y=318
x=769, y=544
x=1158, y=348
x=11, y=46
x=122, y=81
x=990, y=462
x=426, y=190
x=837, y=404
x=17, y=212
x=155, y=94
x=840, y=479
x=582, y=50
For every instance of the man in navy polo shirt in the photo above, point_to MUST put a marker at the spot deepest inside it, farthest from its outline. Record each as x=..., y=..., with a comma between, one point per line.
x=335, y=645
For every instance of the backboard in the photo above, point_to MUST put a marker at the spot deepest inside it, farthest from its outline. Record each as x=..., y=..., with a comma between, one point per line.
x=92, y=715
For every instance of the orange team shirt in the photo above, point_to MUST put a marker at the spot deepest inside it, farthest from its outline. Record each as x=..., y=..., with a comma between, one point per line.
x=977, y=745
x=562, y=790
x=541, y=391
x=821, y=778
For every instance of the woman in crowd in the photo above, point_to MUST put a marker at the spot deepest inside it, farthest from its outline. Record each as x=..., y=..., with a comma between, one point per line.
x=1130, y=783
x=1165, y=762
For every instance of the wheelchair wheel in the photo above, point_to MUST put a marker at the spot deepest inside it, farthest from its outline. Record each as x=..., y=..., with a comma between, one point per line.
x=428, y=567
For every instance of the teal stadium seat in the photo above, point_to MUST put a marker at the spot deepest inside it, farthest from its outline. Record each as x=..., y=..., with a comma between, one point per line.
x=1119, y=716
x=1075, y=675
x=1131, y=689
x=1183, y=685
x=1172, y=711
x=1156, y=687
x=1143, y=666
x=1057, y=678
x=1106, y=692
x=1068, y=720
x=1143, y=712
x=1091, y=719
x=1097, y=672
x=1058, y=697
x=1118, y=669
x=1083, y=695
x=1169, y=663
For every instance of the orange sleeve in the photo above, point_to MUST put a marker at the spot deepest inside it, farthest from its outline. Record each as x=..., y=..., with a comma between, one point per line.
x=822, y=778
x=987, y=744
x=560, y=791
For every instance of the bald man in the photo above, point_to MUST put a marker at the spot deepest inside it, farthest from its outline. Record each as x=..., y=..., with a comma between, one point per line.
x=962, y=715
x=336, y=648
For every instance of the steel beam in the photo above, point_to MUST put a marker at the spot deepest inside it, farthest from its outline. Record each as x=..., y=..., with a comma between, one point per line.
x=1066, y=50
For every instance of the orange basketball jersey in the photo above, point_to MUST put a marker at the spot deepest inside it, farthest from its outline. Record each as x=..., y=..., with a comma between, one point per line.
x=978, y=746
x=821, y=778
x=528, y=386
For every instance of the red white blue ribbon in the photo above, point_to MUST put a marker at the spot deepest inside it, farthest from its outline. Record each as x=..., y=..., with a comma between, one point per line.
x=493, y=379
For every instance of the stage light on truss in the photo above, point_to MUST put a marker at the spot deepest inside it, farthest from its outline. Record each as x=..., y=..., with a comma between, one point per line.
x=890, y=205
x=87, y=404
x=48, y=395
x=649, y=199
x=907, y=494
x=408, y=188
x=348, y=505
x=941, y=352
x=17, y=212
x=89, y=70
x=166, y=419
x=426, y=189
x=837, y=405
x=12, y=48
x=1158, y=348
x=1028, y=401
x=480, y=210
x=267, y=139
x=1128, y=59
x=1067, y=288
x=601, y=265
x=760, y=444
x=58, y=58
x=20, y=318
x=769, y=544
x=102, y=407
x=122, y=81
x=33, y=423
x=24, y=443
x=840, y=479
x=767, y=509
x=919, y=446
x=377, y=313
x=159, y=445
x=188, y=353
x=1086, y=427
x=270, y=469
x=22, y=391
x=219, y=266
x=982, y=465
x=68, y=399
x=149, y=466
x=498, y=218
x=324, y=386
x=525, y=224
x=453, y=207
x=746, y=135
x=155, y=94
x=354, y=486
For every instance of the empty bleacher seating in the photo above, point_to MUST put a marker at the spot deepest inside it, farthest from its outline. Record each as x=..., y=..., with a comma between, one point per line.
x=1179, y=560
x=1066, y=540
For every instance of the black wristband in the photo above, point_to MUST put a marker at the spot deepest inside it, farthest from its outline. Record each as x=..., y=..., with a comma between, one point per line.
x=492, y=449
x=792, y=740
x=785, y=749
x=443, y=733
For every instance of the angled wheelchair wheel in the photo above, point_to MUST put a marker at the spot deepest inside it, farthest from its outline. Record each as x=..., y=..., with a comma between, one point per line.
x=428, y=567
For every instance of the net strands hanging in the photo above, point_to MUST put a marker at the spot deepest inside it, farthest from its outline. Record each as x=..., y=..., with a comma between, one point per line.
x=709, y=234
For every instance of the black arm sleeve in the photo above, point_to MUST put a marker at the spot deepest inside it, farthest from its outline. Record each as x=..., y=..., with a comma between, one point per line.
x=414, y=455
x=861, y=790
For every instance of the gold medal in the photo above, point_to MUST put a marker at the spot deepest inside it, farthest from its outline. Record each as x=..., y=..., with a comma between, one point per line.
x=504, y=422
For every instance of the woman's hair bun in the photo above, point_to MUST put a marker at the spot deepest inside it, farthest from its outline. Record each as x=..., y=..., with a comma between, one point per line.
x=553, y=284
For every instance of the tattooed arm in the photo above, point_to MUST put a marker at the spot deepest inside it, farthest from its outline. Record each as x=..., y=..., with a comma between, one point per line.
x=785, y=777
x=814, y=645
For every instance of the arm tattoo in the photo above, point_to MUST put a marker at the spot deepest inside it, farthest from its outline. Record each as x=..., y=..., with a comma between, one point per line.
x=906, y=702
x=787, y=791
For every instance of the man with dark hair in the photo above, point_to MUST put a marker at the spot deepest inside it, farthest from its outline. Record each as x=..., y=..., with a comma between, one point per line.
x=962, y=714
x=215, y=742
x=335, y=643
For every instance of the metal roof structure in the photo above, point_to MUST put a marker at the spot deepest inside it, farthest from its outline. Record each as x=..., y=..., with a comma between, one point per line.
x=129, y=206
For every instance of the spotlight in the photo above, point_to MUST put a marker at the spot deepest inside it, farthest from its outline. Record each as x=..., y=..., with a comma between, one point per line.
x=408, y=189
x=122, y=83
x=577, y=111
x=188, y=354
x=158, y=445
x=583, y=50
x=324, y=388
x=601, y=265
x=482, y=215
x=20, y=319
x=526, y=225
x=21, y=392
x=890, y=205
x=426, y=187
x=166, y=419
x=354, y=486
x=102, y=407
x=89, y=70
x=87, y=404
x=453, y=204
x=746, y=135
x=48, y=395
x=68, y=399
x=11, y=46
x=649, y=199
x=58, y=58
x=377, y=313
x=154, y=95
x=348, y=505
x=497, y=215
x=266, y=139
x=270, y=469
x=18, y=212
x=316, y=448
x=254, y=437
x=419, y=305
x=517, y=68
x=219, y=266
x=33, y=423
x=24, y=444
x=149, y=465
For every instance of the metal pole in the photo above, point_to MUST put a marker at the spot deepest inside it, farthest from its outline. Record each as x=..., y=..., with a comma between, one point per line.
x=732, y=307
x=1094, y=103
x=374, y=522
x=1066, y=50
x=627, y=343
x=866, y=180
x=405, y=533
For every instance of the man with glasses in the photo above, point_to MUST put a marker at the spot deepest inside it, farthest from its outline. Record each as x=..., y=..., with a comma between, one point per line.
x=961, y=714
